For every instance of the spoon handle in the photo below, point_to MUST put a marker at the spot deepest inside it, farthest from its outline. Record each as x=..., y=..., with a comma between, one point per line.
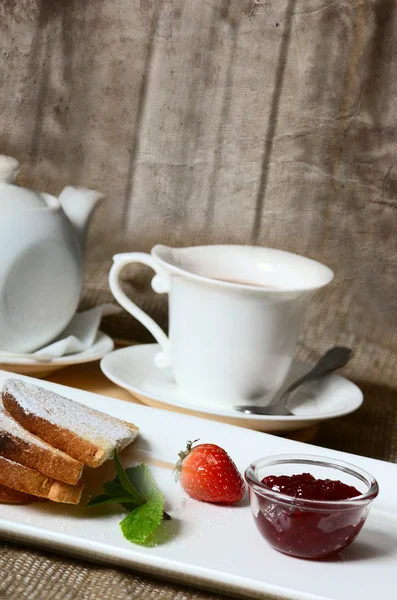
x=333, y=359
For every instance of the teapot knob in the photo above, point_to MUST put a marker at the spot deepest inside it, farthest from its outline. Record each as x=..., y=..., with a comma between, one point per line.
x=9, y=168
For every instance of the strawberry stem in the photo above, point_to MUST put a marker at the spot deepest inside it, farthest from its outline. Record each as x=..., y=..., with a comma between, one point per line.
x=182, y=455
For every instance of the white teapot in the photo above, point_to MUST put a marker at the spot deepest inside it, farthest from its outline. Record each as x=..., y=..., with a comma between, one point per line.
x=41, y=268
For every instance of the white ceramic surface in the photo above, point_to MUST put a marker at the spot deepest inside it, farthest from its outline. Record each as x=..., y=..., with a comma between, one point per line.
x=133, y=369
x=42, y=239
x=243, y=563
x=229, y=342
x=102, y=345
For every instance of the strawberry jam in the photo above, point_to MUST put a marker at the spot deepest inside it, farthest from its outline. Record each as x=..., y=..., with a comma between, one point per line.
x=304, y=529
x=308, y=487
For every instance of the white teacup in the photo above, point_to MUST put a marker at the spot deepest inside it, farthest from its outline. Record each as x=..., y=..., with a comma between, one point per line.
x=234, y=316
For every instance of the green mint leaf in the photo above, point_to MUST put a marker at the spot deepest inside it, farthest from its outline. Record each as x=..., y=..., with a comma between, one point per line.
x=139, y=525
x=124, y=480
x=105, y=499
x=101, y=499
x=136, y=490
x=144, y=483
x=112, y=488
x=129, y=506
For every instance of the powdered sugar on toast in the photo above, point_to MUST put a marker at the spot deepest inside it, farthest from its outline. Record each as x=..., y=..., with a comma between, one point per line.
x=10, y=426
x=108, y=433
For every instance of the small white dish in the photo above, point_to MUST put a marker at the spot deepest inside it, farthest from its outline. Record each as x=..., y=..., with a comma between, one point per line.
x=29, y=366
x=134, y=369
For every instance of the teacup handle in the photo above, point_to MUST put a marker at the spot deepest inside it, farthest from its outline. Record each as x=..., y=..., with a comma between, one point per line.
x=160, y=284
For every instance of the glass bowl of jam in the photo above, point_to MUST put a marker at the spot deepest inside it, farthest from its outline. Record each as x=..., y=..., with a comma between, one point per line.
x=309, y=506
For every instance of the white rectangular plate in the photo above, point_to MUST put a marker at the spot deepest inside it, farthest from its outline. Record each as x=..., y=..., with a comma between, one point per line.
x=205, y=545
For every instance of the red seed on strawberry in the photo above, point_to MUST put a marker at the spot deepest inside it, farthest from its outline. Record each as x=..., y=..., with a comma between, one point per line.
x=207, y=473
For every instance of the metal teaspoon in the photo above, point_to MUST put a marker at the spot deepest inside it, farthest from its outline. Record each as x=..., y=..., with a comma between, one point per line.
x=333, y=359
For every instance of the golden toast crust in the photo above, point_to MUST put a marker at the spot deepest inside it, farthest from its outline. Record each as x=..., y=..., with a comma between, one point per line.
x=88, y=435
x=10, y=496
x=79, y=449
x=47, y=460
x=45, y=439
x=29, y=481
x=68, y=494
x=23, y=479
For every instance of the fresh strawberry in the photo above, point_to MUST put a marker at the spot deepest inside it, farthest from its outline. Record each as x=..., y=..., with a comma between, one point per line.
x=207, y=473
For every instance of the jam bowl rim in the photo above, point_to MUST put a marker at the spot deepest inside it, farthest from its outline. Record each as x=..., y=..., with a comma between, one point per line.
x=258, y=487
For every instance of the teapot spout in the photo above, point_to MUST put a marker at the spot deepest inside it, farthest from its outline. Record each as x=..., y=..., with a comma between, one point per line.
x=79, y=204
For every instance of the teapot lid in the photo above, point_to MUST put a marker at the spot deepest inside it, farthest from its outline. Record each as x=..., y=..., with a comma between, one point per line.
x=11, y=195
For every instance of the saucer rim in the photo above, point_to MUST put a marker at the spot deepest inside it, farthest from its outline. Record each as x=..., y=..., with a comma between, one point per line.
x=69, y=359
x=226, y=413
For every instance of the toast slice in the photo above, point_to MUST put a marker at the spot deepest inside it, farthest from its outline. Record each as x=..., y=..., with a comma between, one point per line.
x=86, y=434
x=23, y=479
x=29, y=481
x=23, y=447
x=65, y=493
x=10, y=496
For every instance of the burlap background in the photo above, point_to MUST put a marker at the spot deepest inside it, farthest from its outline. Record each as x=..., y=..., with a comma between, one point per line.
x=228, y=121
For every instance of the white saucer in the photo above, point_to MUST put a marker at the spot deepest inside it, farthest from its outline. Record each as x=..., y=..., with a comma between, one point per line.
x=133, y=369
x=27, y=366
